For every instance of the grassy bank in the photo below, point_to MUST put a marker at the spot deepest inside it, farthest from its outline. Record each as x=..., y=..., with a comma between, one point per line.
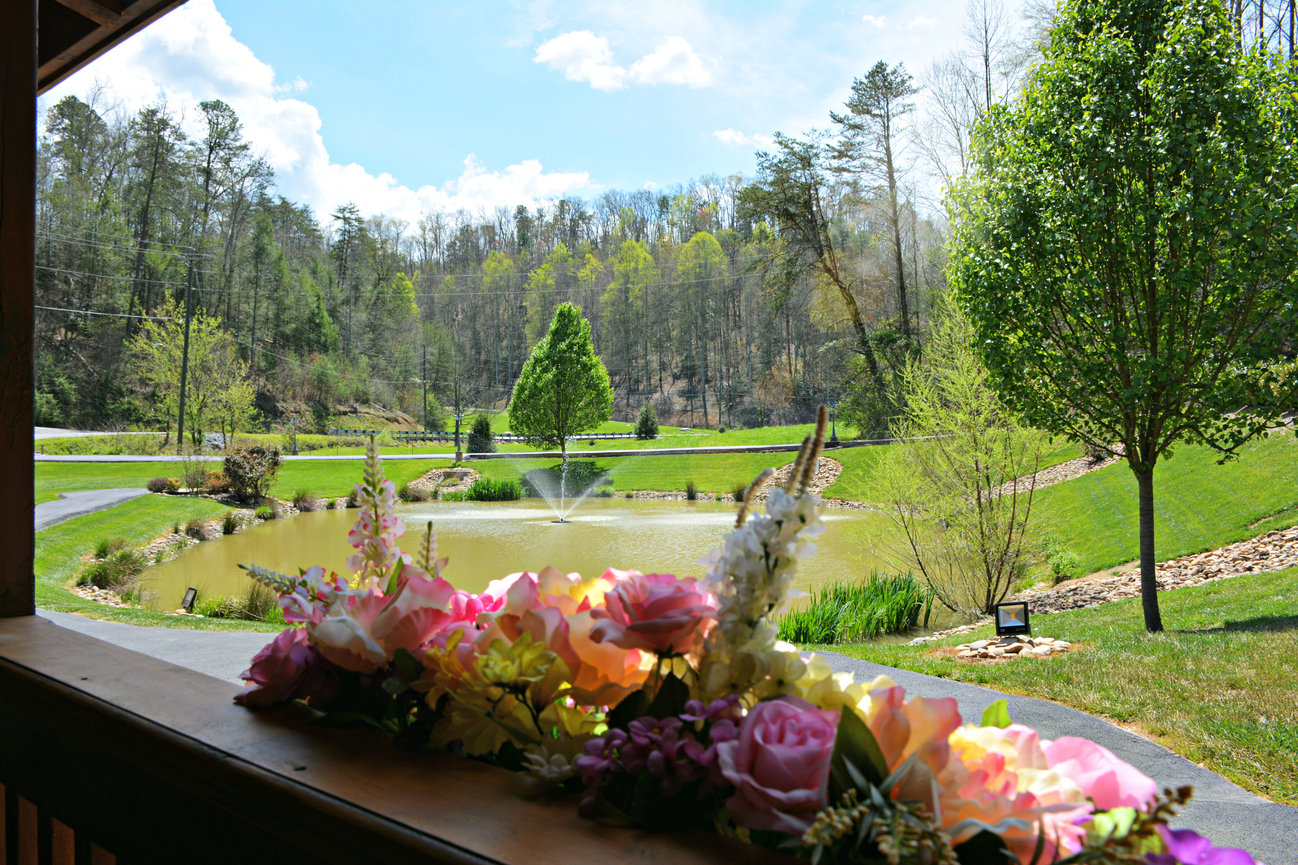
x=59, y=549
x=1219, y=687
x=711, y=473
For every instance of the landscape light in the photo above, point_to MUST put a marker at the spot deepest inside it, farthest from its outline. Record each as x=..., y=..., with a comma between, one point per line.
x=1011, y=618
x=187, y=603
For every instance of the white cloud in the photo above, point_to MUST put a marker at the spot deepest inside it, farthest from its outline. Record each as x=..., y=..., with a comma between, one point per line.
x=673, y=62
x=191, y=55
x=877, y=21
x=583, y=56
x=921, y=22
x=735, y=138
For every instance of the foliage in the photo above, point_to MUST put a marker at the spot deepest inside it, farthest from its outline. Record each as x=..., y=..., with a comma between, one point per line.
x=118, y=570
x=862, y=610
x=487, y=490
x=1061, y=561
x=481, y=439
x=257, y=604
x=107, y=547
x=230, y=523
x=163, y=485
x=563, y=389
x=252, y=471
x=1125, y=248
x=217, y=392
x=646, y=426
x=960, y=480
x=264, y=512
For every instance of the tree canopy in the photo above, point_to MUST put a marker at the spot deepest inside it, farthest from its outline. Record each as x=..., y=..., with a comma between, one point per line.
x=1126, y=248
x=563, y=389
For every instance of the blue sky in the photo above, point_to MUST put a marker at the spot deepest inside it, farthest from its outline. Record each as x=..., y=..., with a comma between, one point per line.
x=404, y=107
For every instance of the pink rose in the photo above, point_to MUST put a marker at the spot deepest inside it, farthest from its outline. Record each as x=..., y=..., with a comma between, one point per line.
x=413, y=614
x=657, y=613
x=779, y=765
x=1108, y=781
x=277, y=669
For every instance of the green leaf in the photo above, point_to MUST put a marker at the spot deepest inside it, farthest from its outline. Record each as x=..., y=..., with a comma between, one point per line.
x=856, y=755
x=633, y=705
x=671, y=698
x=997, y=715
x=407, y=665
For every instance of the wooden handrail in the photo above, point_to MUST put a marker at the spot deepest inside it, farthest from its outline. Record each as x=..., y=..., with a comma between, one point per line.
x=153, y=762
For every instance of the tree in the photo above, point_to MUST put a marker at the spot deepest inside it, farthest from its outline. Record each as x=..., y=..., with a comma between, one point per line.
x=481, y=440
x=646, y=426
x=563, y=389
x=1126, y=249
x=216, y=388
x=870, y=138
x=960, y=480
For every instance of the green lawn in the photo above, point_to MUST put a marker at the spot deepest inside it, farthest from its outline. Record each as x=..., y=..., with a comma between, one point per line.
x=59, y=549
x=1219, y=687
x=1198, y=504
x=55, y=478
x=713, y=473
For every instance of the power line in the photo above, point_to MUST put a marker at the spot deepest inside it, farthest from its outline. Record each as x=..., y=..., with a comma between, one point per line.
x=113, y=314
x=51, y=235
x=88, y=275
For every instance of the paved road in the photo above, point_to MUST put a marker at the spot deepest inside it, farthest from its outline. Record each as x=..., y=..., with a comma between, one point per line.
x=1220, y=810
x=75, y=504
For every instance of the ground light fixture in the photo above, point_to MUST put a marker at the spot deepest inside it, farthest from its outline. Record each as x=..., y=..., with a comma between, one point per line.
x=187, y=603
x=1011, y=618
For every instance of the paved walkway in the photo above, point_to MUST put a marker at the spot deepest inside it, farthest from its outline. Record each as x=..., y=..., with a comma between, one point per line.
x=76, y=504
x=1220, y=810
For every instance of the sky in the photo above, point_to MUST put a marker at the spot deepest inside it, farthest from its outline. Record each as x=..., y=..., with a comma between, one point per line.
x=407, y=106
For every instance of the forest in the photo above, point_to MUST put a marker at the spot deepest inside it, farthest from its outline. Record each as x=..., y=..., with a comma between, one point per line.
x=724, y=302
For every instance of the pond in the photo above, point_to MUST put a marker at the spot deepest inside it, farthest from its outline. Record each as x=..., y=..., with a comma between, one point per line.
x=485, y=541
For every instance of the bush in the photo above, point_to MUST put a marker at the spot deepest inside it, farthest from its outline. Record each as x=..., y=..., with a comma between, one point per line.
x=252, y=471
x=116, y=571
x=487, y=490
x=265, y=512
x=481, y=439
x=1063, y=562
x=691, y=492
x=646, y=426
x=848, y=612
x=163, y=485
x=194, y=472
x=107, y=547
x=194, y=528
x=741, y=490
x=215, y=483
x=409, y=493
x=230, y=523
x=304, y=501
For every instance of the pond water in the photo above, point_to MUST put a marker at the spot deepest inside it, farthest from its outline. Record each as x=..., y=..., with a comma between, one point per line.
x=485, y=541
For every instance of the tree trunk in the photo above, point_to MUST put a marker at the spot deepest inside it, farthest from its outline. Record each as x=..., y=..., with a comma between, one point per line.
x=1148, y=583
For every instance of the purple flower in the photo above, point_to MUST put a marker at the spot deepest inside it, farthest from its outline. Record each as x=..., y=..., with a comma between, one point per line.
x=1187, y=847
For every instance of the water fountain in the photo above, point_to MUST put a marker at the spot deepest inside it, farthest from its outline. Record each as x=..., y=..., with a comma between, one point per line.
x=556, y=496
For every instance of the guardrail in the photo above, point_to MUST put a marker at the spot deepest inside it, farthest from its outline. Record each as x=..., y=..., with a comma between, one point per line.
x=413, y=436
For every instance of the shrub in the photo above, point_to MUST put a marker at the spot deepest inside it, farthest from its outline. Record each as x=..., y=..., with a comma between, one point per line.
x=116, y=571
x=353, y=500
x=194, y=472
x=265, y=512
x=251, y=471
x=163, y=485
x=488, y=490
x=304, y=501
x=848, y=612
x=741, y=490
x=1063, y=562
x=481, y=440
x=107, y=547
x=691, y=492
x=646, y=426
x=215, y=482
x=194, y=528
x=409, y=493
x=230, y=523
x=454, y=495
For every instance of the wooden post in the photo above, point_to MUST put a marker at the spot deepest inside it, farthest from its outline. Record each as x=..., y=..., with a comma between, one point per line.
x=17, y=265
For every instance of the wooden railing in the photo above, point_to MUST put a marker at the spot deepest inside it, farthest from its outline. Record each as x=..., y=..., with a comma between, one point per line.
x=109, y=756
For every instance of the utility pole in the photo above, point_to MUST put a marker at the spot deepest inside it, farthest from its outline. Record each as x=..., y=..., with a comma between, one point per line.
x=423, y=381
x=184, y=360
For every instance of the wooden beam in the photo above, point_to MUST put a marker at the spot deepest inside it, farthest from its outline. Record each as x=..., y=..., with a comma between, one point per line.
x=98, y=11
x=17, y=266
x=69, y=54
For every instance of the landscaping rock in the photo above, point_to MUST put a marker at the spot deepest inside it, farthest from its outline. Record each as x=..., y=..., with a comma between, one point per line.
x=1010, y=648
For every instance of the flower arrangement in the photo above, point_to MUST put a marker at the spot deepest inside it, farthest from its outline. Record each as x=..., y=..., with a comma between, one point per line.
x=668, y=701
